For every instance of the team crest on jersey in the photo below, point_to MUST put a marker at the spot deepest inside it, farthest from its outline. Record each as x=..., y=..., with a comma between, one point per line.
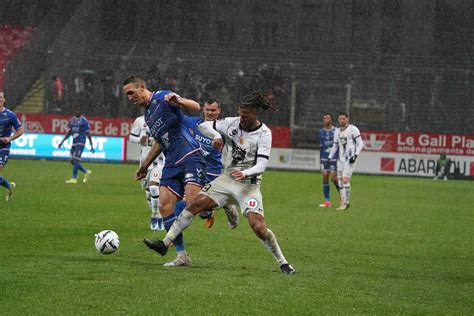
x=233, y=132
x=252, y=204
x=241, y=141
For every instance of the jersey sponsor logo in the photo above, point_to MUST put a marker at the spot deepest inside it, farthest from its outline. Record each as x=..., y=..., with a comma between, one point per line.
x=252, y=204
x=203, y=140
x=157, y=126
x=188, y=175
x=238, y=153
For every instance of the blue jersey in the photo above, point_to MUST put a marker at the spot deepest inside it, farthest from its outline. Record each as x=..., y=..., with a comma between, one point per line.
x=326, y=140
x=212, y=156
x=79, y=129
x=8, y=119
x=166, y=126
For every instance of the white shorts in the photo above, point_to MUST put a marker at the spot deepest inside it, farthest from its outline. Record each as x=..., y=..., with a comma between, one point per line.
x=224, y=190
x=153, y=175
x=345, y=169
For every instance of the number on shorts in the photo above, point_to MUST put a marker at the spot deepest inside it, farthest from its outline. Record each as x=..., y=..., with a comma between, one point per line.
x=206, y=187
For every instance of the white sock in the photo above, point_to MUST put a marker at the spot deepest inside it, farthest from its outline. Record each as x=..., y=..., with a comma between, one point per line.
x=342, y=192
x=180, y=223
x=271, y=244
x=347, y=192
x=155, y=201
x=148, y=198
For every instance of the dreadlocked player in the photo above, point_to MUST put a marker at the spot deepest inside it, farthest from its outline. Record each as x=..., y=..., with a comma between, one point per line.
x=245, y=157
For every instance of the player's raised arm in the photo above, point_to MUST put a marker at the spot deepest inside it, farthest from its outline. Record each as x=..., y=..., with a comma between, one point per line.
x=208, y=129
x=154, y=152
x=188, y=105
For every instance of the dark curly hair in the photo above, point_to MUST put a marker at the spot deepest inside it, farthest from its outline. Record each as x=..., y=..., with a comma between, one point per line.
x=257, y=100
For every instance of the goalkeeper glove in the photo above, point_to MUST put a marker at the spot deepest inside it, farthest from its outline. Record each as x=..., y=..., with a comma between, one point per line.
x=353, y=159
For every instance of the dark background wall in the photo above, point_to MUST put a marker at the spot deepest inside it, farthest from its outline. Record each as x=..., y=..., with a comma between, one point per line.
x=394, y=64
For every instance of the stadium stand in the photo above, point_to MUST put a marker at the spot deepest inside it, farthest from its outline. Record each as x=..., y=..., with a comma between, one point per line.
x=358, y=57
x=12, y=38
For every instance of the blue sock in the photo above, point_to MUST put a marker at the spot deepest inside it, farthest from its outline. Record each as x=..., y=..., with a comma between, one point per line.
x=4, y=182
x=180, y=205
x=326, y=191
x=75, y=169
x=81, y=167
x=178, y=242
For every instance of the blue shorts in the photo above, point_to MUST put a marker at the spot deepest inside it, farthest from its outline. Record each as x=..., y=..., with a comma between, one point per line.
x=175, y=178
x=4, y=156
x=76, y=151
x=329, y=165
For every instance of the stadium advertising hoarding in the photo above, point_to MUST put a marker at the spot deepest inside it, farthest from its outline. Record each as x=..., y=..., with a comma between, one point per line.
x=393, y=153
x=419, y=143
x=58, y=124
x=46, y=146
x=415, y=153
x=116, y=127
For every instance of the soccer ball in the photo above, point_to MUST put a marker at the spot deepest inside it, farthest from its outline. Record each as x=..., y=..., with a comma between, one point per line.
x=107, y=242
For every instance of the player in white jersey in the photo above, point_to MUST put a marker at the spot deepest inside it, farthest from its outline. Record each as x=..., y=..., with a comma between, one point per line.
x=349, y=143
x=245, y=156
x=140, y=134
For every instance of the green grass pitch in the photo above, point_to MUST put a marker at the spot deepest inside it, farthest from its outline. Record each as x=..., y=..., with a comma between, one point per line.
x=405, y=247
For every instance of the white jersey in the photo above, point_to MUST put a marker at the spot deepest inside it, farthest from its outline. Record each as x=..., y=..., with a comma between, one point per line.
x=349, y=142
x=139, y=129
x=242, y=147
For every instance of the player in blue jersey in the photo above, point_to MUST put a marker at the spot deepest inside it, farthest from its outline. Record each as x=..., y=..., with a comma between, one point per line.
x=79, y=130
x=8, y=121
x=184, y=172
x=212, y=157
x=328, y=166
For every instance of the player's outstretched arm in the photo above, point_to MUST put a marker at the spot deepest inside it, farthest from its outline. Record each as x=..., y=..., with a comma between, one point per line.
x=154, y=152
x=207, y=129
x=134, y=136
x=188, y=105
